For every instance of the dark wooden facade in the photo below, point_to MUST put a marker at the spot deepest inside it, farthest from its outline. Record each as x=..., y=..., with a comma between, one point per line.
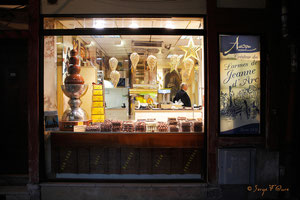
x=225, y=21
x=127, y=153
x=262, y=22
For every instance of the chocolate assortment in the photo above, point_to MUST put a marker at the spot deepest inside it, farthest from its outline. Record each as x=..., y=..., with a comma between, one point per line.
x=186, y=126
x=162, y=127
x=173, y=122
x=173, y=128
x=128, y=126
x=94, y=127
x=150, y=126
x=198, y=126
x=140, y=126
x=116, y=126
x=106, y=126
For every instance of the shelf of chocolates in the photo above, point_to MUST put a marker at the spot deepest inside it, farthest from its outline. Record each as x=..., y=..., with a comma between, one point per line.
x=173, y=125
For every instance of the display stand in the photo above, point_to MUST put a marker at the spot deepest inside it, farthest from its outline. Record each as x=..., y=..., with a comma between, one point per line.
x=98, y=105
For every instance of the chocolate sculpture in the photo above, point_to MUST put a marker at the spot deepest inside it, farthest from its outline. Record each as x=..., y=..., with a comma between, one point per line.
x=74, y=88
x=73, y=76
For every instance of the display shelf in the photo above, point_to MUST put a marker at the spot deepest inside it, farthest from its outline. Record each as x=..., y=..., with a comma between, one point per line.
x=98, y=105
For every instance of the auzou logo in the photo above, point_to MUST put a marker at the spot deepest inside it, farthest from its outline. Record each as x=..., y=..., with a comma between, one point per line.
x=239, y=47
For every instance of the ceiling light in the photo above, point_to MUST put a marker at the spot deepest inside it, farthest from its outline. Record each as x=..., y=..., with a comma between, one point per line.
x=170, y=25
x=133, y=25
x=99, y=24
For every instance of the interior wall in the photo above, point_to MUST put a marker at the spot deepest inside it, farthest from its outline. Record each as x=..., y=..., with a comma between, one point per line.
x=50, y=68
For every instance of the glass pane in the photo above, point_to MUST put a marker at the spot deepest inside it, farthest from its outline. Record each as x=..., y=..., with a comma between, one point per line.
x=99, y=23
x=178, y=59
x=239, y=84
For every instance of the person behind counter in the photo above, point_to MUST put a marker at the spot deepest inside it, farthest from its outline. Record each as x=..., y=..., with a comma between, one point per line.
x=183, y=96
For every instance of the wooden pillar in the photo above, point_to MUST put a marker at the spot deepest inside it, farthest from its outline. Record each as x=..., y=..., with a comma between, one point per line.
x=33, y=100
x=212, y=92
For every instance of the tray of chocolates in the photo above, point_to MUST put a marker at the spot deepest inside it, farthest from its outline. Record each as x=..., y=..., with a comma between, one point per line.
x=106, y=126
x=162, y=127
x=198, y=126
x=93, y=127
x=116, y=126
x=173, y=128
x=173, y=122
x=186, y=126
x=150, y=126
x=128, y=126
x=140, y=126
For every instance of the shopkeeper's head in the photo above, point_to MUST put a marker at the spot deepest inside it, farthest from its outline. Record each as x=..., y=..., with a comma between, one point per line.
x=184, y=86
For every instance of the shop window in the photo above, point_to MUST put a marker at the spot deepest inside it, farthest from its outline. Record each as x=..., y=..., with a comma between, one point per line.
x=124, y=104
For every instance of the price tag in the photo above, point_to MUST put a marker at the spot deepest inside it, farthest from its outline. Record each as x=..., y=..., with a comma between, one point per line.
x=80, y=128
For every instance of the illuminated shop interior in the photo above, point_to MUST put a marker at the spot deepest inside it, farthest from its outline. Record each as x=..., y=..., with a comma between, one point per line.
x=142, y=91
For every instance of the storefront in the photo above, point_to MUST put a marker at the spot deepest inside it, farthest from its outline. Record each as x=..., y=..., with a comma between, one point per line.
x=109, y=81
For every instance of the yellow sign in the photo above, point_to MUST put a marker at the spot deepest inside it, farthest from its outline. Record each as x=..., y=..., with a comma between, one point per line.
x=97, y=98
x=97, y=87
x=97, y=104
x=98, y=92
x=97, y=111
x=97, y=117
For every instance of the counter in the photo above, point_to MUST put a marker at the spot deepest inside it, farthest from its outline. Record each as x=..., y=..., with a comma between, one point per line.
x=120, y=139
x=162, y=115
x=142, y=155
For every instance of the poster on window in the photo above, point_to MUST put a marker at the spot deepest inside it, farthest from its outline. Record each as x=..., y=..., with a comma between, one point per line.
x=239, y=85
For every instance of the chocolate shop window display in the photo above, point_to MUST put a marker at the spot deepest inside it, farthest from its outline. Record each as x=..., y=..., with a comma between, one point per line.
x=97, y=83
x=136, y=90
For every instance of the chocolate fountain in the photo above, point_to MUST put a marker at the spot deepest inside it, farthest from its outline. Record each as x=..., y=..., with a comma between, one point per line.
x=74, y=88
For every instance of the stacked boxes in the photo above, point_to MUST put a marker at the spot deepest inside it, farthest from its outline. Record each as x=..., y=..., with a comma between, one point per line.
x=98, y=114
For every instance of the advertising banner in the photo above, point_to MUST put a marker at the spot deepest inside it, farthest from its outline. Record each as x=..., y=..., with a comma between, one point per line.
x=239, y=84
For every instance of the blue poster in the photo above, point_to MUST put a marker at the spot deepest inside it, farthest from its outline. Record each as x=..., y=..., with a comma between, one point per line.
x=239, y=84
